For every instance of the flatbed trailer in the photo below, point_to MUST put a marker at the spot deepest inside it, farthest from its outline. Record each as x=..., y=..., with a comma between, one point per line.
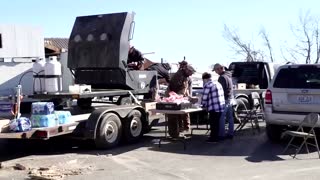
x=46, y=133
x=94, y=93
x=98, y=56
x=104, y=123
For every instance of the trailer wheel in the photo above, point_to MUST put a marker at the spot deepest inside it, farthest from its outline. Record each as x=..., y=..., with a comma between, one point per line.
x=133, y=127
x=124, y=100
x=109, y=131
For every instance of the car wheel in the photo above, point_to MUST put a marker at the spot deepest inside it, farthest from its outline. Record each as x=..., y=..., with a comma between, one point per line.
x=274, y=132
x=109, y=132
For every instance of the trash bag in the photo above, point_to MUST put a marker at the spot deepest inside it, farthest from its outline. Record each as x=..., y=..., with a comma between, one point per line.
x=21, y=124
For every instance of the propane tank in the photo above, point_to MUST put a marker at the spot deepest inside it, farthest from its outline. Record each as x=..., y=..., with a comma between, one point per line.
x=52, y=71
x=38, y=78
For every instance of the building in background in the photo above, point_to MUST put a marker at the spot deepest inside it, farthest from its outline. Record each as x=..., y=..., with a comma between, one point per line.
x=19, y=45
x=55, y=46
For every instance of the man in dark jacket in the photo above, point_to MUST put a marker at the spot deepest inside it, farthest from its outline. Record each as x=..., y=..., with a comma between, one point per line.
x=225, y=79
x=135, y=58
x=179, y=84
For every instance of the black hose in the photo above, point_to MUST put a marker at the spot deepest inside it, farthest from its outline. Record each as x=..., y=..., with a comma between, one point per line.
x=23, y=76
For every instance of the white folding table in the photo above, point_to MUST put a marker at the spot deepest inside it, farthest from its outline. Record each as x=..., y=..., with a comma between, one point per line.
x=183, y=111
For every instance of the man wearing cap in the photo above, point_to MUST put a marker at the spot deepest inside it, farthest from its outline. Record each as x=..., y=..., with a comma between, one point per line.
x=178, y=124
x=213, y=101
x=182, y=65
x=225, y=79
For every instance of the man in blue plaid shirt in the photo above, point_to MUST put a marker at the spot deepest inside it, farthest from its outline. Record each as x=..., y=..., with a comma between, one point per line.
x=213, y=101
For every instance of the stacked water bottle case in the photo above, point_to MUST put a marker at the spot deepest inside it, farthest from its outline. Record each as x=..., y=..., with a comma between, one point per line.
x=44, y=115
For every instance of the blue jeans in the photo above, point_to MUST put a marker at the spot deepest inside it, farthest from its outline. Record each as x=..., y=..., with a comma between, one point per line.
x=227, y=114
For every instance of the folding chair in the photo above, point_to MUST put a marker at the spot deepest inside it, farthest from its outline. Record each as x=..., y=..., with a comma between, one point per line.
x=252, y=115
x=309, y=122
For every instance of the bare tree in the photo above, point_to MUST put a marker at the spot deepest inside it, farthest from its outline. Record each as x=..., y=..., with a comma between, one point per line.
x=316, y=35
x=237, y=44
x=293, y=57
x=308, y=40
x=245, y=49
x=265, y=37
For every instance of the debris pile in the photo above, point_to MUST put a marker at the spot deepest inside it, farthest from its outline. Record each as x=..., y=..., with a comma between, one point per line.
x=52, y=173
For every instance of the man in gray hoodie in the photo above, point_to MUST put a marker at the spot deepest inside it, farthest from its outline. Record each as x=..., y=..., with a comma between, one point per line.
x=225, y=79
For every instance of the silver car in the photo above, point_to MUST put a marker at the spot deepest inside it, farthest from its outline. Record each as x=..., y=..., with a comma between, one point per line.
x=293, y=93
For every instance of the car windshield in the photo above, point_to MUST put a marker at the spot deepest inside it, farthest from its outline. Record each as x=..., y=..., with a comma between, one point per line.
x=303, y=77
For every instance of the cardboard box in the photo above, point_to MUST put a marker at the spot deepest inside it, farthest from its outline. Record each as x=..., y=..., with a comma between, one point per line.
x=242, y=86
x=149, y=105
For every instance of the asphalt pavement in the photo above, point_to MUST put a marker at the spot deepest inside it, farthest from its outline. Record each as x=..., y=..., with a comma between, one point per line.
x=249, y=155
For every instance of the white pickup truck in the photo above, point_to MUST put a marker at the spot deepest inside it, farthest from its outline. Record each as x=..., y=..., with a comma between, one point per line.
x=250, y=77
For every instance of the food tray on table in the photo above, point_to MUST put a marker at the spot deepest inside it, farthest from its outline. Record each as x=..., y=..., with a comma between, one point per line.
x=172, y=106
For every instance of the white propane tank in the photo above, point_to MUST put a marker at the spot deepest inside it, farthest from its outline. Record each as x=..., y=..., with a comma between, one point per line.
x=52, y=71
x=38, y=78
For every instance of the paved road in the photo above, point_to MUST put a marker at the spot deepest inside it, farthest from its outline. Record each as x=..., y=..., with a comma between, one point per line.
x=247, y=156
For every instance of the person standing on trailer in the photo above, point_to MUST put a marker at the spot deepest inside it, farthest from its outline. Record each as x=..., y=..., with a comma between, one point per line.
x=135, y=59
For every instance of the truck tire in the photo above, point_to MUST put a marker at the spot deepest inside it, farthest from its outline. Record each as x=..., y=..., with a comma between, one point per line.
x=133, y=127
x=109, y=131
x=242, y=104
x=124, y=100
x=274, y=132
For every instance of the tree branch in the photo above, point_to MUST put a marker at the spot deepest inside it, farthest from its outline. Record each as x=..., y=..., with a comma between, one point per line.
x=267, y=42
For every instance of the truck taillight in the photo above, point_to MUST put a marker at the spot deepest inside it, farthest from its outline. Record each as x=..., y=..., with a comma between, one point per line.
x=268, y=98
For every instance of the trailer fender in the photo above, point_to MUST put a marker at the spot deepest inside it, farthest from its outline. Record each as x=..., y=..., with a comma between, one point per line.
x=96, y=115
